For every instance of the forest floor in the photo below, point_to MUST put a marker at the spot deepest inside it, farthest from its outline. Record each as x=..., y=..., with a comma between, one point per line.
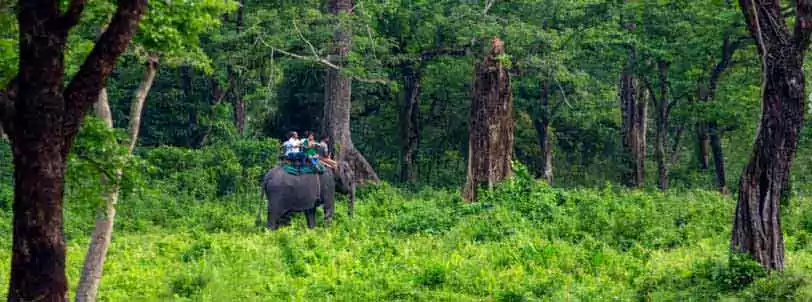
x=523, y=242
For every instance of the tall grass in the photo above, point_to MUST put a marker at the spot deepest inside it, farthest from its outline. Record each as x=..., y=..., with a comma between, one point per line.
x=188, y=233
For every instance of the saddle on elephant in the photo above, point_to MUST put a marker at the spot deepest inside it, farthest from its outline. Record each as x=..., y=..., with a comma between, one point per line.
x=295, y=167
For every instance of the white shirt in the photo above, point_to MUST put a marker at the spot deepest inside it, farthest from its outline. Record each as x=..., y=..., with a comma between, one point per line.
x=291, y=145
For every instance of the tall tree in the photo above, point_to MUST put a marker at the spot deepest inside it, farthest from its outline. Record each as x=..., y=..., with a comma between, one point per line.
x=542, y=125
x=150, y=44
x=337, y=105
x=712, y=131
x=42, y=118
x=757, y=224
x=633, y=108
x=490, y=124
x=236, y=85
x=663, y=108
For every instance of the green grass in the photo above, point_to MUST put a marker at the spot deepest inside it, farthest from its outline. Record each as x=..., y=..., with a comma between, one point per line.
x=186, y=232
x=523, y=242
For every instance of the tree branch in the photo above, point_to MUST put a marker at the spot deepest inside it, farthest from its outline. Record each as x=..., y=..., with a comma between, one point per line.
x=7, y=98
x=803, y=23
x=84, y=89
x=433, y=53
x=562, y=101
x=488, y=5
x=324, y=62
x=72, y=16
x=671, y=105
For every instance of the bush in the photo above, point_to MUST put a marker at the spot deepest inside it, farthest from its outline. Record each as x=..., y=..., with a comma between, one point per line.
x=189, y=233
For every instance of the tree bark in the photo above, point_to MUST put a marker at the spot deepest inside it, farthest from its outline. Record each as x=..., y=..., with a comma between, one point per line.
x=100, y=240
x=46, y=117
x=633, y=123
x=410, y=121
x=336, y=121
x=490, y=125
x=237, y=100
x=137, y=106
x=757, y=222
x=662, y=127
x=103, y=231
x=703, y=146
x=718, y=158
x=542, y=125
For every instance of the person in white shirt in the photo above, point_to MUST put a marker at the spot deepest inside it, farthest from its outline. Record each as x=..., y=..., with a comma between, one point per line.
x=292, y=148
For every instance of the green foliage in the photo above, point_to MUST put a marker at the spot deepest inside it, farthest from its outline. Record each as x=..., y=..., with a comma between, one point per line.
x=186, y=229
x=173, y=29
x=432, y=246
x=190, y=232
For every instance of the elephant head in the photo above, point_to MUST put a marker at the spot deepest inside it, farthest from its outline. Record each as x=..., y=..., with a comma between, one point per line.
x=345, y=182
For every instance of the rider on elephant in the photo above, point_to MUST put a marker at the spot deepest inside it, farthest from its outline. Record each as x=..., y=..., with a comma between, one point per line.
x=311, y=148
x=324, y=153
x=292, y=147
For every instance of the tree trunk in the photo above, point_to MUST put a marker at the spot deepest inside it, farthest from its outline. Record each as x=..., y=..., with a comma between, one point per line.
x=757, y=222
x=703, y=145
x=490, y=125
x=542, y=125
x=237, y=100
x=711, y=128
x=718, y=158
x=38, y=251
x=662, y=127
x=46, y=117
x=410, y=120
x=239, y=114
x=100, y=240
x=633, y=124
x=337, y=103
x=137, y=106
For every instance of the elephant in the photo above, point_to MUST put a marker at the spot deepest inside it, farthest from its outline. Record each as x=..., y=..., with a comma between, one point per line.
x=305, y=192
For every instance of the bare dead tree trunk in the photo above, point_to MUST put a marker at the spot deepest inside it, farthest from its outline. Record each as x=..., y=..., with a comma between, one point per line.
x=410, y=120
x=633, y=123
x=42, y=118
x=662, y=127
x=102, y=233
x=336, y=121
x=757, y=222
x=542, y=125
x=490, y=125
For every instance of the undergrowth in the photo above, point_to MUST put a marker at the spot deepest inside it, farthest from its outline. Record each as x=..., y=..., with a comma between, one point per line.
x=189, y=233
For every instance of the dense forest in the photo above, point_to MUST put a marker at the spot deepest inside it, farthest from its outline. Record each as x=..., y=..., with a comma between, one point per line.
x=488, y=150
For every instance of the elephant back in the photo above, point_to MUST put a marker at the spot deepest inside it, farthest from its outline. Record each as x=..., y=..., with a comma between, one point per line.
x=292, y=192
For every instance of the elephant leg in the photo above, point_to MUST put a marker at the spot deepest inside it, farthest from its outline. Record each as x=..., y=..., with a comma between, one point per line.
x=285, y=218
x=311, y=218
x=273, y=220
x=329, y=210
